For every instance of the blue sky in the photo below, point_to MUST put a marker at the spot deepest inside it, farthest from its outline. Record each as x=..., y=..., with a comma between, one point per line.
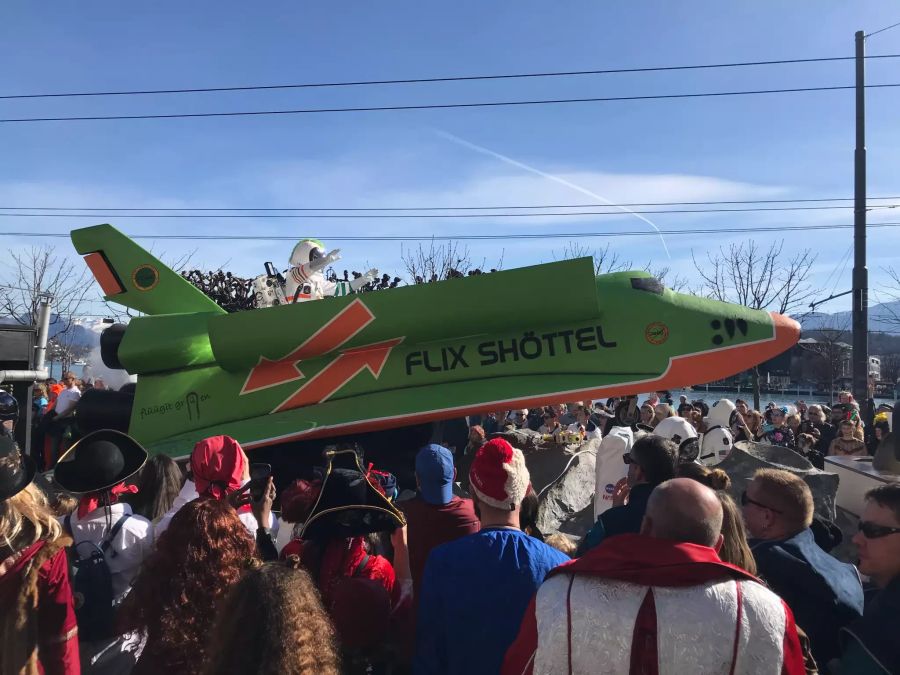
x=764, y=147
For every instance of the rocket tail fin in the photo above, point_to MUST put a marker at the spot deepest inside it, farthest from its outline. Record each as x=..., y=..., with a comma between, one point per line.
x=132, y=277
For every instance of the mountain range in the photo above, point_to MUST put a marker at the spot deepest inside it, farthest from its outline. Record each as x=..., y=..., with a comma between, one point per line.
x=883, y=318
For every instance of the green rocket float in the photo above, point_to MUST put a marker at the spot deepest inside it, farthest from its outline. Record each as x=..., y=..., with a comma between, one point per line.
x=406, y=355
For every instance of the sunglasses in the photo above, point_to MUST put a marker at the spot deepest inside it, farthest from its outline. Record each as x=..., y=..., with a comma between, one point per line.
x=520, y=415
x=746, y=500
x=873, y=531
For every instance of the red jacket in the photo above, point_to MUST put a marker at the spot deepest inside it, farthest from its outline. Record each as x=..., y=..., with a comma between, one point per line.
x=43, y=595
x=646, y=605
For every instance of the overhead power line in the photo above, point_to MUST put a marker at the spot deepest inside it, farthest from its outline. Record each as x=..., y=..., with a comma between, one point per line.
x=383, y=216
x=427, y=80
x=435, y=106
x=881, y=30
x=465, y=237
x=439, y=208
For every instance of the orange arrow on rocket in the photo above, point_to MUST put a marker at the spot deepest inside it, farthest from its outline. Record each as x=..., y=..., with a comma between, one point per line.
x=324, y=384
x=343, y=326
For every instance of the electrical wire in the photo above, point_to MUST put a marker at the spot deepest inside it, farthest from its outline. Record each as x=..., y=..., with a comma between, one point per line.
x=464, y=237
x=378, y=216
x=453, y=78
x=881, y=30
x=835, y=267
x=445, y=208
x=434, y=106
x=840, y=274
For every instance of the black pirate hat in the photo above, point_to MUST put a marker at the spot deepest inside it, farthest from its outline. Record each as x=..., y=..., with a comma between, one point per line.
x=349, y=504
x=16, y=470
x=99, y=461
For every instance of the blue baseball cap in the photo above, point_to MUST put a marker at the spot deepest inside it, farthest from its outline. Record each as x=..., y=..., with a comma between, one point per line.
x=434, y=469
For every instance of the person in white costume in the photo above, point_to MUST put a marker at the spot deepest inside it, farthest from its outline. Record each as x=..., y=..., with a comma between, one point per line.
x=609, y=467
x=718, y=439
x=305, y=280
x=661, y=601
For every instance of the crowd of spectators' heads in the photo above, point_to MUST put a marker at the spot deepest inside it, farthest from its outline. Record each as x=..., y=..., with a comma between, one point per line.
x=199, y=575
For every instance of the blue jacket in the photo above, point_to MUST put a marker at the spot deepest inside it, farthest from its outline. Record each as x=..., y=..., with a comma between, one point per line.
x=823, y=593
x=475, y=591
x=620, y=519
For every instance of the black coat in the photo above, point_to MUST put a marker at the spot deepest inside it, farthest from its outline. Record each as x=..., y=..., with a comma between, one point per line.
x=824, y=594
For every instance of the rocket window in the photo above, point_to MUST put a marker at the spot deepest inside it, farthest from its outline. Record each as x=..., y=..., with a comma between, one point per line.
x=650, y=284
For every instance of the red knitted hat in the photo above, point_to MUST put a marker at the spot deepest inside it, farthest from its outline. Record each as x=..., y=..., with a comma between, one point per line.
x=498, y=475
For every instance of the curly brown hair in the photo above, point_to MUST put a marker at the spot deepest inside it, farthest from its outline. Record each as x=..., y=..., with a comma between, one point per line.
x=178, y=591
x=272, y=622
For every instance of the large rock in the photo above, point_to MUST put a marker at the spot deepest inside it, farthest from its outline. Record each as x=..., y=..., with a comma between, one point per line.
x=747, y=457
x=563, y=501
x=563, y=476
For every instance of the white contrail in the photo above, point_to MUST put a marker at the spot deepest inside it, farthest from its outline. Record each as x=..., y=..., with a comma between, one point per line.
x=550, y=176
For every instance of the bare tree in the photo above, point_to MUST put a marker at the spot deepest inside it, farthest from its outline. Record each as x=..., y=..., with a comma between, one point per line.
x=890, y=368
x=760, y=279
x=671, y=279
x=40, y=271
x=891, y=315
x=831, y=354
x=605, y=261
x=441, y=261
x=65, y=350
x=770, y=279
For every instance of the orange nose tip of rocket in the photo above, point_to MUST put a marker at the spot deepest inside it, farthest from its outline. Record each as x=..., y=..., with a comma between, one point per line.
x=787, y=330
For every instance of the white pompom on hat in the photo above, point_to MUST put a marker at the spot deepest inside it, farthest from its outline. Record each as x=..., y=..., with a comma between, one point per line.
x=498, y=475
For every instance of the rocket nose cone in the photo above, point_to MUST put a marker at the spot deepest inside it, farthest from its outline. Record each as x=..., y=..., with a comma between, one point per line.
x=787, y=331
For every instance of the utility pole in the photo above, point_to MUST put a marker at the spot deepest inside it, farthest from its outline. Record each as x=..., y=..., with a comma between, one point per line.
x=860, y=272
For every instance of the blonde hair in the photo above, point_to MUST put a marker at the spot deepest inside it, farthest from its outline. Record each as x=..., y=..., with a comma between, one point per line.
x=561, y=543
x=714, y=479
x=735, y=549
x=792, y=418
x=788, y=494
x=753, y=421
x=25, y=519
x=664, y=409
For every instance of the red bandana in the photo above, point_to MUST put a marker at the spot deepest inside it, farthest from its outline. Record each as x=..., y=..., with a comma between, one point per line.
x=91, y=501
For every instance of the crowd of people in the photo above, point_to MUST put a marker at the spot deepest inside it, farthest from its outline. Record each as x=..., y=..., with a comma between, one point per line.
x=52, y=414
x=815, y=430
x=124, y=563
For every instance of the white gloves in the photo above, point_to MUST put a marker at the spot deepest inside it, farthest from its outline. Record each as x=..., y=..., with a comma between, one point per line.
x=366, y=278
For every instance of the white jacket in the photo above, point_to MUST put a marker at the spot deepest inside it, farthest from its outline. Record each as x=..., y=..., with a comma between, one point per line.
x=585, y=625
x=132, y=544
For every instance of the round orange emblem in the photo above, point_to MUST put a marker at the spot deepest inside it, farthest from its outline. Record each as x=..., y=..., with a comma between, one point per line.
x=656, y=333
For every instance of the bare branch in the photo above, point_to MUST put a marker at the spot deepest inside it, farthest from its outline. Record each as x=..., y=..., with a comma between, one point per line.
x=40, y=271
x=440, y=261
x=745, y=275
x=605, y=261
x=892, y=291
